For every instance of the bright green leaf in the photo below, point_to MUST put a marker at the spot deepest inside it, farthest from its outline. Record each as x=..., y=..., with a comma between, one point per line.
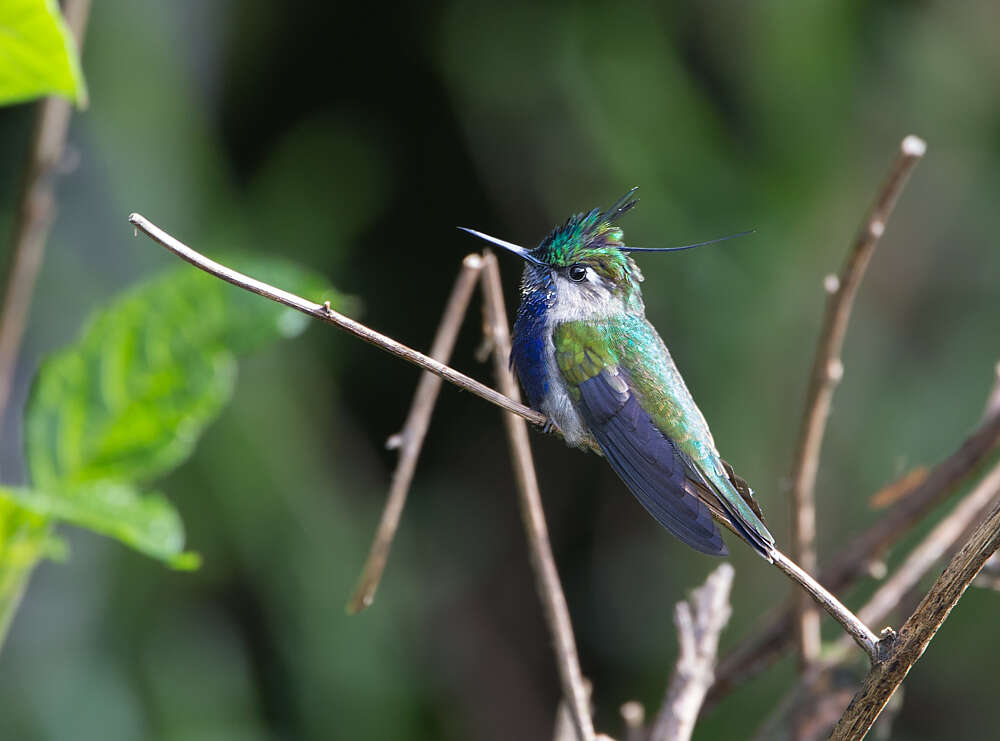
x=148, y=523
x=25, y=538
x=129, y=401
x=38, y=55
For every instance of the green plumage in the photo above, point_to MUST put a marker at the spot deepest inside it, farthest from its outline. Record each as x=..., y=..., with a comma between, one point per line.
x=629, y=343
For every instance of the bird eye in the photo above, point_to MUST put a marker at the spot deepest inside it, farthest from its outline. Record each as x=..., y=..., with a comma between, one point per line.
x=577, y=273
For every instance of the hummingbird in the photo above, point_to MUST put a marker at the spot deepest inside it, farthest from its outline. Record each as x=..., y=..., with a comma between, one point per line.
x=590, y=361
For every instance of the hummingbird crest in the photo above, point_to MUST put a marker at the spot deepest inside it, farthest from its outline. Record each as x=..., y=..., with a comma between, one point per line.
x=587, y=236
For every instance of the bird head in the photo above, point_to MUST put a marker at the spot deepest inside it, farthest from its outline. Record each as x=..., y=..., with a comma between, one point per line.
x=586, y=259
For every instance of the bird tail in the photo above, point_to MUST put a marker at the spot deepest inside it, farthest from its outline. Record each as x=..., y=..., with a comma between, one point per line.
x=734, y=498
x=746, y=515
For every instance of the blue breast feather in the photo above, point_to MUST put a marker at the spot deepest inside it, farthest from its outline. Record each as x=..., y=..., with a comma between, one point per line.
x=529, y=346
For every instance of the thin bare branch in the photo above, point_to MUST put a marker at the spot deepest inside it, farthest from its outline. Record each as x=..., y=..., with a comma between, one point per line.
x=565, y=729
x=634, y=715
x=812, y=708
x=854, y=559
x=324, y=313
x=898, y=488
x=699, y=623
x=850, y=622
x=818, y=687
x=756, y=653
x=932, y=548
x=921, y=627
x=546, y=575
x=410, y=439
x=826, y=373
x=35, y=213
x=993, y=403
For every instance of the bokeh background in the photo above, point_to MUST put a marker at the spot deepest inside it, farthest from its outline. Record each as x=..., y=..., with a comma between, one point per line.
x=353, y=138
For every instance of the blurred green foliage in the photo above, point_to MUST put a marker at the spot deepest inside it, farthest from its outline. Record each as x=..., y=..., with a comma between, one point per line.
x=38, y=52
x=128, y=402
x=354, y=140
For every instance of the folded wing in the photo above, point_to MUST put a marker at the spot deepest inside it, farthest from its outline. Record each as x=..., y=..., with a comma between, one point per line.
x=643, y=457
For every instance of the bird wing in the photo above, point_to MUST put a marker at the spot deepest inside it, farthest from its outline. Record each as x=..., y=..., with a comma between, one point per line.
x=642, y=416
x=644, y=458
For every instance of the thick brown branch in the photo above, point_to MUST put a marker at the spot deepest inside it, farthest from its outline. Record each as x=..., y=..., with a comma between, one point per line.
x=919, y=629
x=410, y=439
x=546, y=575
x=826, y=373
x=34, y=213
x=764, y=647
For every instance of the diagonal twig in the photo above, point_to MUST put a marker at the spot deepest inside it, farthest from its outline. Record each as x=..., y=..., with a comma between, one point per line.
x=565, y=726
x=766, y=645
x=546, y=575
x=943, y=538
x=826, y=373
x=920, y=628
x=939, y=541
x=858, y=631
x=699, y=623
x=410, y=439
x=324, y=313
x=932, y=548
x=35, y=212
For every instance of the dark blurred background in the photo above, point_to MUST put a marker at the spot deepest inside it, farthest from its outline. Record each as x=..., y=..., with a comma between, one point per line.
x=353, y=138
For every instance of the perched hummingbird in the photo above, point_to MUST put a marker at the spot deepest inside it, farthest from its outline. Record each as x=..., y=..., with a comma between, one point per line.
x=590, y=361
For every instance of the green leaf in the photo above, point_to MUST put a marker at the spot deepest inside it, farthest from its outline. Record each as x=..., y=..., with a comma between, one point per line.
x=24, y=539
x=38, y=55
x=129, y=401
x=148, y=523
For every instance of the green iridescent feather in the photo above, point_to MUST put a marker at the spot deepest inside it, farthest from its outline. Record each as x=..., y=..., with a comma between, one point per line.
x=629, y=349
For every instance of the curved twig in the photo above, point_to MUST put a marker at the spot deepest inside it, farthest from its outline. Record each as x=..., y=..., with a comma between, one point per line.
x=34, y=213
x=546, y=575
x=410, y=439
x=826, y=373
